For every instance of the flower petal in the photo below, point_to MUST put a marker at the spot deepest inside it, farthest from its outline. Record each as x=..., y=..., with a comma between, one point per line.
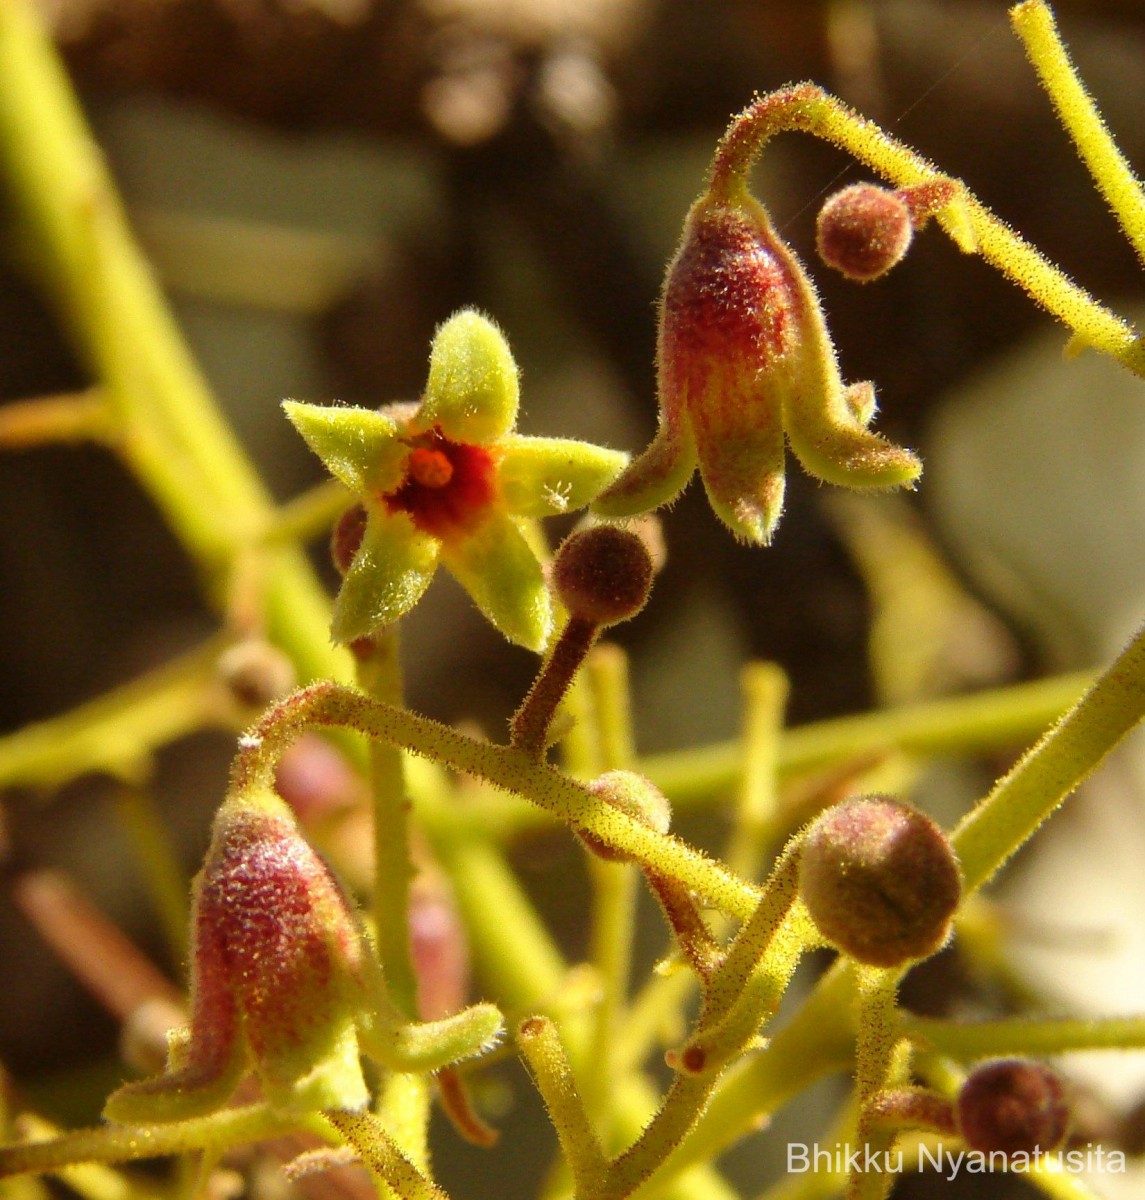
x=655, y=477
x=499, y=570
x=472, y=392
x=542, y=477
x=829, y=435
x=739, y=442
x=359, y=446
x=391, y=570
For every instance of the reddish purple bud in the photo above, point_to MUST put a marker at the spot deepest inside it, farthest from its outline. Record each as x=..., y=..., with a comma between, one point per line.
x=603, y=574
x=1014, y=1106
x=275, y=977
x=745, y=365
x=863, y=231
x=315, y=779
x=880, y=880
x=439, y=949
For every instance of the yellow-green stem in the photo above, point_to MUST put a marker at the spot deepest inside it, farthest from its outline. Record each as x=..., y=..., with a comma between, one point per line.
x=539, y=1042
x=166, y=422
x=985, y=721
x=1019, y=1036
x=614, y=889
x=1034, y=23
x=505, y=767
x=380, y=1154
x=807, y=108
x=764, y=688
x=1049, y=772
x=119, y=1143
x=876, y=1067
x=379, y=673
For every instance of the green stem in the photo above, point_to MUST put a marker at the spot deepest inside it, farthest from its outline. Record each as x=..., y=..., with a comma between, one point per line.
x=118, y=732
x=807, y=108
x=1053, y=768
x=983, y=722
x=379, y=673
x=1034, y=23
x=168, y=425
x=876, y=1069
x=614, y=889
x=505, y=767
x=380, y=1154
x=117, y=1143
x=682, y=1105
x=541, y=1046
x=764, y=688
x=819, y=1039
x=990, y=1039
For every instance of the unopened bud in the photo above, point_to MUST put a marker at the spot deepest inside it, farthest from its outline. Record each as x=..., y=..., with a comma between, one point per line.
x=1014, y=1106
x=603, y=574
x=316, y=780
x=636, y=797
x=863, y=231
x=275, y=977
x=880, y=880
x=256, y=673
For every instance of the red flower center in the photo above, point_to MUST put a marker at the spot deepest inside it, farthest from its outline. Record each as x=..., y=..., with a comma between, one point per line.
x=448, y=486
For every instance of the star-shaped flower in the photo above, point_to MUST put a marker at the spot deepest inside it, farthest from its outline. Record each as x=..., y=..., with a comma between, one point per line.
x=449, y=480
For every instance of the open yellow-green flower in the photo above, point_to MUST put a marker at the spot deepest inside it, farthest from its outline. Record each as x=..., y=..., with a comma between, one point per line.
x=449, y=480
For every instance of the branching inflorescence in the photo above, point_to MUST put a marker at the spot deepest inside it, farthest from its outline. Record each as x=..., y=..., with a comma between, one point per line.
x=292, y=986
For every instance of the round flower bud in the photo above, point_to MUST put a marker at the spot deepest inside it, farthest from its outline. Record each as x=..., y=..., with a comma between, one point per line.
x=863, y=231
x=635, y=796
x=880, y=880
x=255, y=672
x=603, y=574
x=1012, y=1105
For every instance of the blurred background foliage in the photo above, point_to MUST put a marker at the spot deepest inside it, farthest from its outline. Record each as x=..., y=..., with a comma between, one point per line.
x=320, y=182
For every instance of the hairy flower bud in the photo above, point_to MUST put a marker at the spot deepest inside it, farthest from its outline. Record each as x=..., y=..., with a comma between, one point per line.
x=744, y=358
x=276, y=980
x=636, y=797
x=255, y=673
x=880, y=880
x=1012, y=1105
x=863, y=231
x=603, y=574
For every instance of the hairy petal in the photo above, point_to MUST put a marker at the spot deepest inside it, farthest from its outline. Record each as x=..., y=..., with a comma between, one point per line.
x=358, y=446
x=389, y=574
x=543, y=477
x=499, y=570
